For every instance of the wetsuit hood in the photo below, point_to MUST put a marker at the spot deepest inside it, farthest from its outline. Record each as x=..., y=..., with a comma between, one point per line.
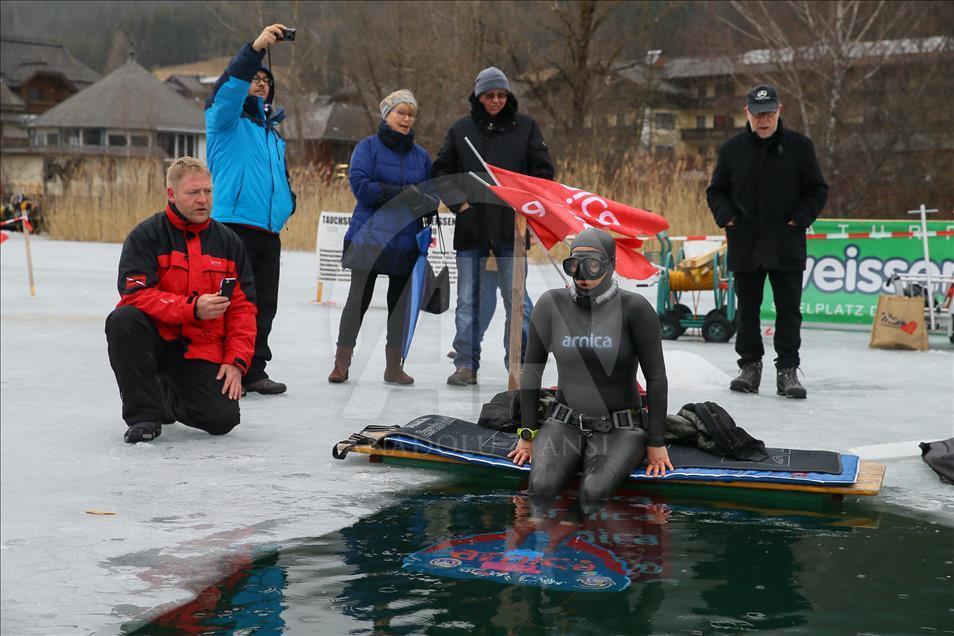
x=605, y=246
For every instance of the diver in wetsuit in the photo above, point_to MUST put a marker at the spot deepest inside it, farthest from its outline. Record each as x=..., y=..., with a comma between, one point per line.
x=598, y=335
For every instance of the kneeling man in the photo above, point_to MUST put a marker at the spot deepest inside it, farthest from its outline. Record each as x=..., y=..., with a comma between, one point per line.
x=181, y=339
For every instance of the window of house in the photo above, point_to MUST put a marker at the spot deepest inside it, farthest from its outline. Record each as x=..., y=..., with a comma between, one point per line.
x=665, y=121
x=116, y=139
x=92, y=136
x=701, y=121
x=139, y=141
x=34, y=95
x=52, y=139
x=178, y=145
x=167, y=141
x=722, y=121
x=187, y=145
x=71, y=137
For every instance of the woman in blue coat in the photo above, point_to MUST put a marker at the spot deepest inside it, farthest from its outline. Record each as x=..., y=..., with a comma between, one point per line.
x=382, y=238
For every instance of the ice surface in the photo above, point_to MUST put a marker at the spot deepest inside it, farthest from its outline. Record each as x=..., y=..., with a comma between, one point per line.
x=189, y=505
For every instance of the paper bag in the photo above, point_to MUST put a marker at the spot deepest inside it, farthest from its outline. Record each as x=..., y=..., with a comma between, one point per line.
x=899, y=324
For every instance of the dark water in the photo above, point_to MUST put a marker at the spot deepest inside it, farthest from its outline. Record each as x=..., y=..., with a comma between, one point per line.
x=445, y=561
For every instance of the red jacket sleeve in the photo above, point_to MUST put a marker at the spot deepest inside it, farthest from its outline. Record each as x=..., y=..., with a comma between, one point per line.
x=138, y=277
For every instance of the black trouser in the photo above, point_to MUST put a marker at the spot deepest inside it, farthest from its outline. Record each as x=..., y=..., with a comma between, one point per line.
x=359, y=299
x=158, y=384
x=264, y=250
x=605, y=460
x=787, y=292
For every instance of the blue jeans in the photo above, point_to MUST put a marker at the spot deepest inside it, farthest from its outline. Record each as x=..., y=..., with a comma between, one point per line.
x=477, y=301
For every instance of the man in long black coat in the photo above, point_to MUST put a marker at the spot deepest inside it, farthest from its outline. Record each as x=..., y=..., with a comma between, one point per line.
x=484, y=225
x=766, y=190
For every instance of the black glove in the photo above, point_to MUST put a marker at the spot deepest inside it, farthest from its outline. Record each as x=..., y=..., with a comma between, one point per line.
x=388, y=192
x=420, y=201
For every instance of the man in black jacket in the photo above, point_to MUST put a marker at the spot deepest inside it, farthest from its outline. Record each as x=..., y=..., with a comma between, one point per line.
x=766, y=190
x=484, y=226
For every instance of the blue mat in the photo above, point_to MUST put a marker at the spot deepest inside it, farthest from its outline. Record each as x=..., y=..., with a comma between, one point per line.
x=847, y=476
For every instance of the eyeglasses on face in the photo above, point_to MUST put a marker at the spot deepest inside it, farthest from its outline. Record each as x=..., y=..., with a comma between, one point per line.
x=260, y=79
x=495, y=95
x=404, y=114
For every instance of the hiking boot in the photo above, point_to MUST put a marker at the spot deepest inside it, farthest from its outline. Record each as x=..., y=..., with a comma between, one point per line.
x=788, y=384
x=462, y=377
x=451, y=354
x=750, y=376
x=393, y=371
x=342, y=363
x=142, y=432
x=265, y=386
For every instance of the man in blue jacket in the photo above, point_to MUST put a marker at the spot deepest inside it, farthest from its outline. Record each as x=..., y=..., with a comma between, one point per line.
x=253, y=195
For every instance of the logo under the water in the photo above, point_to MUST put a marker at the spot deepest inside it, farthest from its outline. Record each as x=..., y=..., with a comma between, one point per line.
x=574, y=565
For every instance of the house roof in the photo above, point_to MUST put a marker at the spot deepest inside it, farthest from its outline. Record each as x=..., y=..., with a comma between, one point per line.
x=129, y=97
x=764, y=59
x=689, y=67
x=203, y=68
x=639, y=74
x=9, y=100
x=322, y=118
x=22, y=58
x=189, y=84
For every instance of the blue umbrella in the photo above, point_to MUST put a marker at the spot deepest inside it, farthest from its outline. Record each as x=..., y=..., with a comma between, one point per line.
x=418, y=279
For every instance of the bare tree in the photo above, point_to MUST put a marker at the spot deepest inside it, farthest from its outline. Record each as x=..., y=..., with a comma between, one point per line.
x=572, y=65
x=825, y=55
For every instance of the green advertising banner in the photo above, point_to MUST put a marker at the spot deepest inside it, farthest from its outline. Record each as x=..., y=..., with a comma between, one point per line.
x=845, y=275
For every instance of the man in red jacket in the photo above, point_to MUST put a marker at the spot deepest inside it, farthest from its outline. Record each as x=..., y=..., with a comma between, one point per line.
x=179, y=347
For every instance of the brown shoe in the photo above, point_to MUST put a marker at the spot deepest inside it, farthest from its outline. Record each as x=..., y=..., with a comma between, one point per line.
x=462, y=377
x=393, y=372
x=342, y=363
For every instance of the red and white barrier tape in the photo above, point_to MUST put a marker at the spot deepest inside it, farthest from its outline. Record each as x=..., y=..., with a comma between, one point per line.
x=832, y=236
x=878, y=235
x=15, y=219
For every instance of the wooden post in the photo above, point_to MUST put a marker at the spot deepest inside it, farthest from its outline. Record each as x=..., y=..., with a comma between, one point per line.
x=516, y=298
x=29, y=254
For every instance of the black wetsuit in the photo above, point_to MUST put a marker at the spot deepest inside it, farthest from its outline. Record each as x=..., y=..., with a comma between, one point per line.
x=597, y=349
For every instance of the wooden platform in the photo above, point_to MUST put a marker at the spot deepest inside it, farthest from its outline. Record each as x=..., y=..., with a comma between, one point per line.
x=870, y=475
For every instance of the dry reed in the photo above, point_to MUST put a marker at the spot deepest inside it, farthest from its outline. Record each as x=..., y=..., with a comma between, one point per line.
x=102, y=201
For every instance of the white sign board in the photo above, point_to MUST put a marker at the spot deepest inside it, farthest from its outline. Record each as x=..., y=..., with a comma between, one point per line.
x=334, y=280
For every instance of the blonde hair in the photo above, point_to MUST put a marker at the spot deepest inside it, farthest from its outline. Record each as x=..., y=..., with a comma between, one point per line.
x=180, y=167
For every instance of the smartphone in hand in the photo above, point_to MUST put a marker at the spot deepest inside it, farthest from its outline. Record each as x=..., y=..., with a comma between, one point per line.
x=226, y=287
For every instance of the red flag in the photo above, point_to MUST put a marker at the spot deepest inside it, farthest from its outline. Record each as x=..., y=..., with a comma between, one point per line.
x=558, y=221
x=3, y=236
x=556, y=211
x=594, y=209
x=27, y=226
x=553, y=222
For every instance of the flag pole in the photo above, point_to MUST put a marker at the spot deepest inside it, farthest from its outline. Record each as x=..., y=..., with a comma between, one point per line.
x=518, y=290
x=29, y=253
